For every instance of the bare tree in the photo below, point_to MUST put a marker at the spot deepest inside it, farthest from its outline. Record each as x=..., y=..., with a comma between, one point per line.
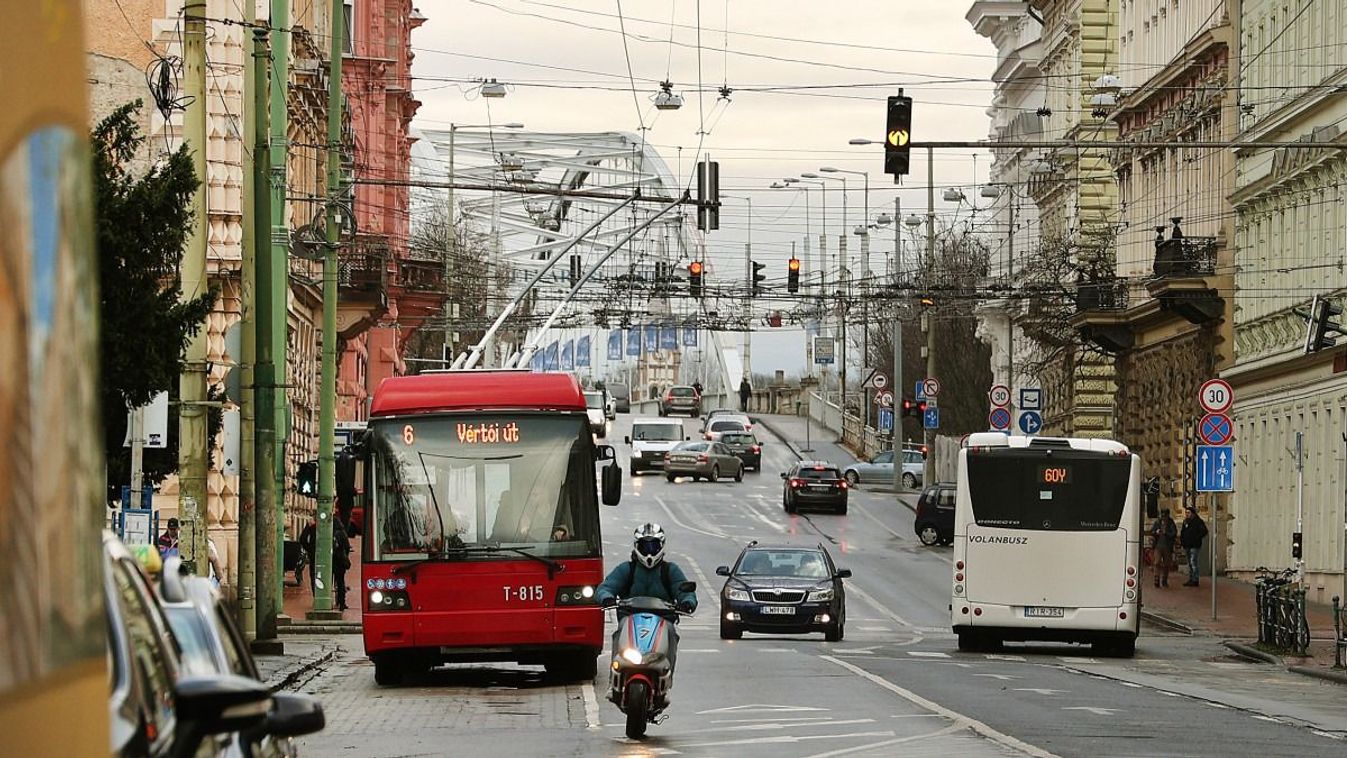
x=1060, y=278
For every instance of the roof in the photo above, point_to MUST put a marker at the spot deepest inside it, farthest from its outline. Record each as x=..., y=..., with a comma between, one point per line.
x=451, y=391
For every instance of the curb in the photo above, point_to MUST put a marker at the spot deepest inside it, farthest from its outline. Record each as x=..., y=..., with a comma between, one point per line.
x=321, y=627
x=775, y=433
x=1166, y=622
x=1252, y=653
x=288, y=676
x=1338, y=677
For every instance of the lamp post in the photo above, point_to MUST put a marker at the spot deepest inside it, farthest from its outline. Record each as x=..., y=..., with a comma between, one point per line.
x=823, y=249
x=748, y=277
x=453, y=228
x=787, y=184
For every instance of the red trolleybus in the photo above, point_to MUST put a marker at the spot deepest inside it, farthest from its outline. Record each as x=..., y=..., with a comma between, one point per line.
x=482, y=523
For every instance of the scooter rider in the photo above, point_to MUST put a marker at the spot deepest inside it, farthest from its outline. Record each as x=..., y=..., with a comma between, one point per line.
x=649, y=574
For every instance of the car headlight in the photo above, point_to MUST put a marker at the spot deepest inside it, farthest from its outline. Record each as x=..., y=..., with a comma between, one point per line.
x=636, y=453
x=820, y=596
x=632, y=655
x=739, y=595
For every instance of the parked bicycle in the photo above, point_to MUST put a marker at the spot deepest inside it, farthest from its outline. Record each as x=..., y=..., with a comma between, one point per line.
x=1280, y=603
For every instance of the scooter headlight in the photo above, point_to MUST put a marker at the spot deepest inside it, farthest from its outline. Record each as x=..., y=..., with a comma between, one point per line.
x=632, y=655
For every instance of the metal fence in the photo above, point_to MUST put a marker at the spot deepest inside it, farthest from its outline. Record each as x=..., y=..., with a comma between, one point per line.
x=1281, y=615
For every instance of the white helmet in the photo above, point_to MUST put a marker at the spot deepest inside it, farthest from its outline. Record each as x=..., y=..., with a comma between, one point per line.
x=648, y=547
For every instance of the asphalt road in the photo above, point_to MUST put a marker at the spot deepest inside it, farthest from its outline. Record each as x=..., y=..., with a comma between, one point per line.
x=895, y=685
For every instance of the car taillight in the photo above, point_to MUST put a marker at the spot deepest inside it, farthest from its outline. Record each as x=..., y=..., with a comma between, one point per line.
x=797, y=483
x=757, y=448
x=707, y=435
x=702, y=459
x=842, y=484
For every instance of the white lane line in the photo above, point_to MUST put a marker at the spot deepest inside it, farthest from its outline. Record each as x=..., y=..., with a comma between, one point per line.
x=1069, y=659
x=751, y=505
x=873, y=629
x=787, y=739
x=716, y=534
x=774, y=727
x=591, y=707
x=867, y=597
x=958, y=718
x=791, y=719
x=926, y=654
x=860, y=748
x=864, y=511
x=997, y=657
x=703, y=583
x=698, y=650
x=776, y=650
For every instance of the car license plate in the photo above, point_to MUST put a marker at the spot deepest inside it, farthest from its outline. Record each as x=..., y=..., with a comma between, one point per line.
x=1043, y=612
x=779, y=610
x=820, y=487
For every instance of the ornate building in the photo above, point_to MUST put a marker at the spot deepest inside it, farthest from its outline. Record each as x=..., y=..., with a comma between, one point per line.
x=1290, y=234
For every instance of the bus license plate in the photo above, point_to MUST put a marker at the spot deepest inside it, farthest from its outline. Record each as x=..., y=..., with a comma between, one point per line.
x=1043, y=612
x=779, y=610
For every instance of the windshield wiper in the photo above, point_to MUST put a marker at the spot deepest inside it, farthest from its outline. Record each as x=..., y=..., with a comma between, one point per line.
x=552, y=566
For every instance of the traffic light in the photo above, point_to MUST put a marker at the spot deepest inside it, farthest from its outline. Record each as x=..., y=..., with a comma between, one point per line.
x=1297, y=539
x=914, y=408
x=695, y=278
x=1321, y=325
x=708, y=196
x=306, y=479
x=898, y=135
x=758, y=277
x=793, y=275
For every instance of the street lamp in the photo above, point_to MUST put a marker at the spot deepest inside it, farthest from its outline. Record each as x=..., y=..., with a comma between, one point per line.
x=787, y=184
x=823, y=251
x=860, y=230
x=748, y=278
x=492, y=88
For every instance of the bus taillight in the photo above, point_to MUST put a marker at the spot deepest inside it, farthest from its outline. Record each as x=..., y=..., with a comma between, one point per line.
x=959, y=565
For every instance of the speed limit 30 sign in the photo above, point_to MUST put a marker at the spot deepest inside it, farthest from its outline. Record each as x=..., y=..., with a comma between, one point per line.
x=1216, y=396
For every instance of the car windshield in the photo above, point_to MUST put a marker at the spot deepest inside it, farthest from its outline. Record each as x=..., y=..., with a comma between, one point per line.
x=804, y=564
x=618, y=390
x=593, y=399
x=726, y=426
x=657, y=432
x=445, y=483
x=189, y=630
x=817, y=473
x=683, y=392
x=739, y=439
x=1072, y=492
x=692, y=447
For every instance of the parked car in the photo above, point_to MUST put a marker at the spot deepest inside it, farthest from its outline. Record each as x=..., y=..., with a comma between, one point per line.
x=746, y=446
x=775, y=589
x=154, y=707
x=934, y=524
x=814, y=484
x=681, y=399
x=650, y=439
x=594, y=409
x=914, y=467
x=878, y=469
x=210, y=643
x=621, y=395
x=702, y=460
x=719, y=427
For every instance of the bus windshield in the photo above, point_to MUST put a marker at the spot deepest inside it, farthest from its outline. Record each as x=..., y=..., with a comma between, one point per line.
x=1064, y=492
x=457, y=486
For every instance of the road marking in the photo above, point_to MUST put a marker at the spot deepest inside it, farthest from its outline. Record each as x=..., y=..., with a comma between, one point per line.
x=767, y=726
x=665, y=506
x=995, y=657
x=847, y=750
x=1093, y=709
x=1042, y=691
x=783, y=719
x=762, y=708
x=874, y=629
x=776, y=650
x=703, y=582
x=867, y=597
x=591, y=707
x=698, y=650
x=787, y=739
x=1069, y=659
x=954, y=716
x=1000, y=677
x=866, y=513
x=926, y=654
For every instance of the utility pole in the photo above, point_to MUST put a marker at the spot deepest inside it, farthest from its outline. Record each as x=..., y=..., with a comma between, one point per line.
x=1300, y=510
x=1010, y=303
x=272, y=285
x=192, y=382
x=929, y=315
x=254, y=179
x=327, y=407
x=898, y=404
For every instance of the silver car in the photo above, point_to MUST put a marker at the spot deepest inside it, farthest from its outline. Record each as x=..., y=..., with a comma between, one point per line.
x=702, y=460
x=879, y=469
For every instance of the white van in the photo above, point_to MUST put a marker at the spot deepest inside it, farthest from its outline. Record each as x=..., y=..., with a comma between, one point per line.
x=650, y=439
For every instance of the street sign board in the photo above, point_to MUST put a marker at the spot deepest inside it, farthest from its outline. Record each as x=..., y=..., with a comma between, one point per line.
x=885, y=419
x=999, y=395
x=999, y=419
x=1030, y=422
x=1031, y=399
x=823, y=351
x=1216, y=429
x=931, y=418
x=879, y=380
x=884, y=398
x=1215, y=468
x=920, y=390
x=931, y=387
x=1216, y=396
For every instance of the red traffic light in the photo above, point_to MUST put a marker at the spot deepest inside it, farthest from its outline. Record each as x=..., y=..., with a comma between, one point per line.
x=695, y=267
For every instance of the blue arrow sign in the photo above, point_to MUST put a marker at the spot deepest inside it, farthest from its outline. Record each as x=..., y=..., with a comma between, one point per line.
x=1030, y=422
x=930, y=419
x=1215, y=468
x=885, y=419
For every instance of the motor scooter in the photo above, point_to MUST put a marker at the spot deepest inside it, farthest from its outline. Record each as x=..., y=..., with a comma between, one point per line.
x=644, y=648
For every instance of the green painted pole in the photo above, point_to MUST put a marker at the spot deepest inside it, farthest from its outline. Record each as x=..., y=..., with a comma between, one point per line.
x=327, y=408
x=254, y=96
x=192, y=383
x=280, y=274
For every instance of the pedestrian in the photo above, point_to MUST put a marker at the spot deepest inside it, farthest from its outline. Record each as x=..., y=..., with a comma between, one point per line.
x=1163, y=534
x=1190, y=537
x=341, y=560
x=308, y=542
x=697, y=387
x=168, y=541
x=745, y=392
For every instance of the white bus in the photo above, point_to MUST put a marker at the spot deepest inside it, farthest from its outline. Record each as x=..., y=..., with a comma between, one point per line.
x=1047, y=543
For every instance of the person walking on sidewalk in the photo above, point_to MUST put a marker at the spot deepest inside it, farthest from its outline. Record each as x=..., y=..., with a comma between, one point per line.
x=1163, y=534
x=745, y=392
x=1190, y=537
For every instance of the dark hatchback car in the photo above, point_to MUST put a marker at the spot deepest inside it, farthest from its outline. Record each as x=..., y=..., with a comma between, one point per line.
x=934, y=524
x=746, y=446
x=783, y=589
x=814, y=484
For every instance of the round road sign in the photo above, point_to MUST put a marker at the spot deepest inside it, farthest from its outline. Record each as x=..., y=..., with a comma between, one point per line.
x=1000, y=397
x=879, y=381
x=1215, y=429
x=1216, y=396
x=999, y=419
x=885, y=399
x=931, y=387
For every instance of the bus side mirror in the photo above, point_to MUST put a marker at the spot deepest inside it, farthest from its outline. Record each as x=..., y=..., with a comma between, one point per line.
x=612, y=484
x=606, y=453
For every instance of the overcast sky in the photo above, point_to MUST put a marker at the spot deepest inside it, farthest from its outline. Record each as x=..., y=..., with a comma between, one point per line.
x=565, y=62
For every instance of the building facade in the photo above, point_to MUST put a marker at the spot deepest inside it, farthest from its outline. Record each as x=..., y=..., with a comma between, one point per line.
x=1290, y=234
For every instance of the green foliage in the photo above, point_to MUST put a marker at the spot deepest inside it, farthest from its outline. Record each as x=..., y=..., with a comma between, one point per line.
x=142, y=225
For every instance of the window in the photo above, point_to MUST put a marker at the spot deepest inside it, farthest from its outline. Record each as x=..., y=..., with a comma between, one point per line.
x=348, y=28
x=1059, y=492
x=726, y=426
x=149, y=656
x=884, y=457
x=657, y=432
x=818, y=474
x=805, y=564
x=197, y=658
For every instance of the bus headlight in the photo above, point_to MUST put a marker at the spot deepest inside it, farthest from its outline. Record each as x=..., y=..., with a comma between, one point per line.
x=1131, y=595
x=958, y=589
x=389, y=599
x=632, y=655
x=575, y=595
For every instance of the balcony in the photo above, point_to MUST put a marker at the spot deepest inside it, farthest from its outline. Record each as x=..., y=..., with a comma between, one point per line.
x=1101, y=314
x=421, y=275
x=362, y=268
x=1184, y=282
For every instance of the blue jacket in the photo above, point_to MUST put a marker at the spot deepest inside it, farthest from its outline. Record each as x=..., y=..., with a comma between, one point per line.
x=646, y=582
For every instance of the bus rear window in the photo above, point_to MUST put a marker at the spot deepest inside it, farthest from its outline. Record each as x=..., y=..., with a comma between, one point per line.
x=1063, y=493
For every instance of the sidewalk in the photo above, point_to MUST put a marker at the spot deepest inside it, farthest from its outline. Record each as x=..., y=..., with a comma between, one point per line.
x=801, y=434
x=1236, y=620
x=300, y=658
